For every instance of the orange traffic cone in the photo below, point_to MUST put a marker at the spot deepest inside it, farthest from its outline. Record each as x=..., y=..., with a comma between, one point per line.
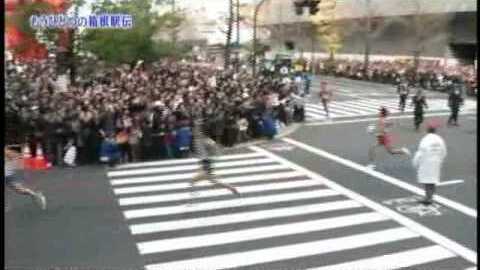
x=27, y=158
x=40, y=163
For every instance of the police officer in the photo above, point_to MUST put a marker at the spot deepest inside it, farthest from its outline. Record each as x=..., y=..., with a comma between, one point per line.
x=455, y=100
x=419, y=102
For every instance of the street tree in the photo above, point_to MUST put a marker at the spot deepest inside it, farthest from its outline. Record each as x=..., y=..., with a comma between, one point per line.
x=25, y=41
x=327, y=27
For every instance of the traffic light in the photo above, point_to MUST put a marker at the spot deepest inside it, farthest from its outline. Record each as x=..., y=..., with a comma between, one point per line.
x=290, y=45
x=299, y=5
x=313, y=6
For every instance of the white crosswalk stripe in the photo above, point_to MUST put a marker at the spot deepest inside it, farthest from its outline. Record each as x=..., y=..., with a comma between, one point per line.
x=282, y=216
x=395, y=261
x=370, y=107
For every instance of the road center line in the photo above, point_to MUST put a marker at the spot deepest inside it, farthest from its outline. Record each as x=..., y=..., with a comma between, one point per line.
x=394, y=181
x=410, y=224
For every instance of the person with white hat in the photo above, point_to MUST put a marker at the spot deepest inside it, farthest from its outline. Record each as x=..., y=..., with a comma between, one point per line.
x=428, y=160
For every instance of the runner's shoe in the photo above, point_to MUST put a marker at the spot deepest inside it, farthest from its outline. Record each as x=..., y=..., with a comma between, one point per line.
x=406, y=151
x=234, y=191
x=200, y=176
x=371, y=166
x=426, y=202
x=40, y=200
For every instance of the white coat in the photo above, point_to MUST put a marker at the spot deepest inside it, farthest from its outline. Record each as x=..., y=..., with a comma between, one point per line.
x=429, y=158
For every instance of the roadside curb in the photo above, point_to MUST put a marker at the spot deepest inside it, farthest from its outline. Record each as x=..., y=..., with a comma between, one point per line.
x=285, y=132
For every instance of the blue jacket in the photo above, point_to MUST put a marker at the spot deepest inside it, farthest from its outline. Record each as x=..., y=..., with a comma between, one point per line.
x=109, y=150
x=269, y=126
x=183, y=139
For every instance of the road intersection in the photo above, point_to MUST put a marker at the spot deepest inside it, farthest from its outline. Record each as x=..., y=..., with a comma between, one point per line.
x=308, y=202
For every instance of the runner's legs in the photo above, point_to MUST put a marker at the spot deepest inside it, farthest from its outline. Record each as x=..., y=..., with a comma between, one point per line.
x=19, y=188
x=325, y=107
x=206, y=173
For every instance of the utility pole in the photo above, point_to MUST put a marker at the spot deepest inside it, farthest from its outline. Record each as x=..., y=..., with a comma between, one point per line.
x=312, y=56
x=228, y=43
x=72, y=50
x=237, y=51
x=367, y=36
x=254, y=53
x=174, y=31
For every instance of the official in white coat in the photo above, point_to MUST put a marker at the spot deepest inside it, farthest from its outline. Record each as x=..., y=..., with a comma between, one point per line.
x=428, y=161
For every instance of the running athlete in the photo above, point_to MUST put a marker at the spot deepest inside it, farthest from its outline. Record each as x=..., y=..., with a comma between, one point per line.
x=384, y=139
x=13, y=181
x=205, y=147
x=403, y=90
x=325, y=96
x=418, y=101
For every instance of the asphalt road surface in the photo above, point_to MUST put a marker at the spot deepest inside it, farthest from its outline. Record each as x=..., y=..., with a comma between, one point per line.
x=307, y=202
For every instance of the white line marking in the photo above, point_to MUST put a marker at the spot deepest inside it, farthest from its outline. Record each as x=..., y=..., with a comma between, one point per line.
x=330, y=109
x=243, y=217
x=314, y=110
x=323, y=113
x=373, y=105
x=451, y=182
x=230, y=180
x=396, y=260
x=234, y=202
x=186, y=161
x=366, y=108
x=415, y=226
x=152, y=179
x=259, y=233
x=341, y=105
x=214, y=192
x=288, y=252
x=314, y=116
x=394, y=181
x=376, y=119
x=188, y=167
x=160, y=178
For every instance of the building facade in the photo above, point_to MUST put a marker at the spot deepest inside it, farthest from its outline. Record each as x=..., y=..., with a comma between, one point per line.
x=426, y=28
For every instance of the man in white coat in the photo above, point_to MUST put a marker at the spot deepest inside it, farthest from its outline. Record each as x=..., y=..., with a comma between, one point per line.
x=428, y=161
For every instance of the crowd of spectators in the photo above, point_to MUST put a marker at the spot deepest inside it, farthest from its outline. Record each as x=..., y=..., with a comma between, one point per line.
x=428, y=75
x=145, y=112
